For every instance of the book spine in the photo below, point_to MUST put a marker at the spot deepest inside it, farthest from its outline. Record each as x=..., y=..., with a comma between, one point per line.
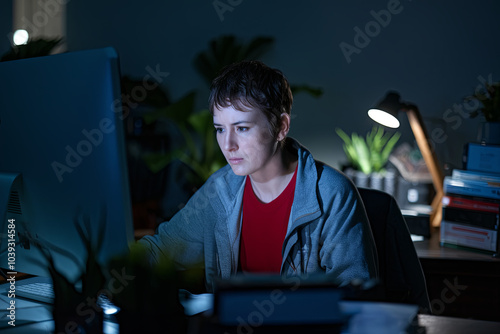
x=476, y=218
x=472, y=203
x=475, y=175
x=468, y=236
x=470, y=188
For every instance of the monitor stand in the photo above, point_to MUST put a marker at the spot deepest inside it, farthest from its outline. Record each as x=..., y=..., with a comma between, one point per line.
x=10, y=189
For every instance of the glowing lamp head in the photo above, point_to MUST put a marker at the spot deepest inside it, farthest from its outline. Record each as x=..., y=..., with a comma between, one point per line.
x=386, y=110
x=384, y=118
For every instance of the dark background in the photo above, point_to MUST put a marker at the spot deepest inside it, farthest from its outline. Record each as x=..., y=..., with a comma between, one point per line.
x=434, y=53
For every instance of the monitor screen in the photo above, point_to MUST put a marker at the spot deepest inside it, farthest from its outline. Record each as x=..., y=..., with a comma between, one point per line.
x=62, y=146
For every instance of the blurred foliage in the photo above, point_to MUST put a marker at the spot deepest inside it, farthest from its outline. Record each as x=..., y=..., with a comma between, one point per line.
x=489, y=97
x=370, y=155
x=149, y=299
x=156, y=97
x=200, y=150
x=70, y=297
x=313, y=91
x=226, y=50
x=34, y=48
x=146, y=294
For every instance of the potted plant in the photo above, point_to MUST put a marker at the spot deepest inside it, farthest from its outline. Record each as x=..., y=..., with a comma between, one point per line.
x=368, y=155
x=489, y=98
x=34, y=48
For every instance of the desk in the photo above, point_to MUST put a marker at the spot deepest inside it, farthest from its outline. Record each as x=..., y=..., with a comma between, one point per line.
x=427, y=324
x=433, y=324
x=443, y=325
x=460, y=283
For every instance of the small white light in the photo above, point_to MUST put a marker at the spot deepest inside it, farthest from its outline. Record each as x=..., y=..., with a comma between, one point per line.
x=383, y=118
x=412, y=195
x=111, y=310
x=20, y=37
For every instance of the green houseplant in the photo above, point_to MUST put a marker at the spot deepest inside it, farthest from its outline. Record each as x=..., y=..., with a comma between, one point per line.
x=34, y=48
x=489, y=98
x=369, y=154
x=368, y=157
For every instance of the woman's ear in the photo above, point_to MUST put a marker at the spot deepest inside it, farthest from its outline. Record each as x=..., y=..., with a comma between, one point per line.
x=285, y=126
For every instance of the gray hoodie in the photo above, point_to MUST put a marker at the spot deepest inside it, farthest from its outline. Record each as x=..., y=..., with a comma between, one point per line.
x=328, y=231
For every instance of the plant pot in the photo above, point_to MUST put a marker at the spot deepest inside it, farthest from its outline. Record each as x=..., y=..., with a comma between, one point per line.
x=361, y=179
x=390, y=182
x=377, y=180
x=489, y=133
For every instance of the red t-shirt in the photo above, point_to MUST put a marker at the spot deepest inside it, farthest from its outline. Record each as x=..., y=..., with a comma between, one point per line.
x=264, y=229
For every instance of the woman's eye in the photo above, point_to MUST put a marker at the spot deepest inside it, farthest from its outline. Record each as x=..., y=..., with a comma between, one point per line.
x=242, y=128
x=219, y=130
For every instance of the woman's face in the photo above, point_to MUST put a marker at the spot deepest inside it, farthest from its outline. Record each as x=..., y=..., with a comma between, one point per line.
x=245, y=139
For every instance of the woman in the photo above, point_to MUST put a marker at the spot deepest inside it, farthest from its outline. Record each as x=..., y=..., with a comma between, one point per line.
x=273, y=208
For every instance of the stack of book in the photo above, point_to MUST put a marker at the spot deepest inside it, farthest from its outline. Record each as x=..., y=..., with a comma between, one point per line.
x=471, y=208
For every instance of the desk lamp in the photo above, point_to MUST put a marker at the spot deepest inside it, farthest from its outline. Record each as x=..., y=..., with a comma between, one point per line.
x=385, y=113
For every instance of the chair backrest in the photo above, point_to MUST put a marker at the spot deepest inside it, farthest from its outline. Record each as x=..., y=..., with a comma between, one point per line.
x=400, y=271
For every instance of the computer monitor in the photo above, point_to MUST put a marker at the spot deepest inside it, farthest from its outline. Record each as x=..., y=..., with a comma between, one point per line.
x=62, y=160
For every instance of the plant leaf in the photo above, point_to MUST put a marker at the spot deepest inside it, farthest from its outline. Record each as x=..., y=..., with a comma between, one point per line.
x=178, y=112
x=313, y=91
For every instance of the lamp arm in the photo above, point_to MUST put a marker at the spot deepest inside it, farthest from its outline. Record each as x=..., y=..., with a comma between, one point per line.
x=430, y=158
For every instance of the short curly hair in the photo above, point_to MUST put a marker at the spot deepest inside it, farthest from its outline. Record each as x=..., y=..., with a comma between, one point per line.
x=252, y=84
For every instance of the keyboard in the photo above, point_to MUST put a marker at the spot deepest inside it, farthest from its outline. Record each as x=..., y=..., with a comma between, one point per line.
x=41, y=290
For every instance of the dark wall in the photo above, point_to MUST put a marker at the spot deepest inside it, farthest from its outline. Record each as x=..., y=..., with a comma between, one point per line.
x=5, y=26
x=433, y=52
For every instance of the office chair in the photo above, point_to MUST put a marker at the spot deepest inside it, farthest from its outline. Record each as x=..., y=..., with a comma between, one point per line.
x=400, y=273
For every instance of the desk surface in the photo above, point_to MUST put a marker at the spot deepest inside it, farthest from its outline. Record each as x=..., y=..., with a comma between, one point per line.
x=460, y=283
x=441, y=325
x=431, y=249
x=432, y=325
x=29, y=310
x=428, y=250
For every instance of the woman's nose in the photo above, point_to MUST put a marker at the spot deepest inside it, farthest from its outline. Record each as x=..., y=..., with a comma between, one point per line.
x=230, y=143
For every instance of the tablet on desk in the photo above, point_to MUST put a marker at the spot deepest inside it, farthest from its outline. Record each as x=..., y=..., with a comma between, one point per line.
x=274, y=300
x=261, y=304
